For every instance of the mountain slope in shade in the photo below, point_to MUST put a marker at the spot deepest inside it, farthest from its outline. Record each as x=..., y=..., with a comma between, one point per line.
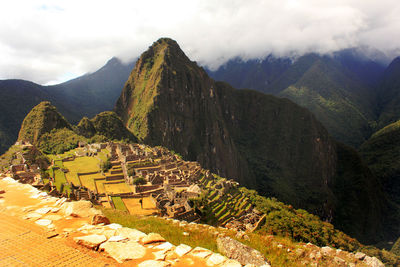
x=389, y=100
x=339, y=90
x=382, y=153
x=95, y=92
x=265, y=142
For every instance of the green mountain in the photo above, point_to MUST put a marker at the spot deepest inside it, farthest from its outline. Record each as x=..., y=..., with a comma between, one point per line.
x=266, y=143
x=389, y=94
x=338, y=89
x=108, y=124
x=40, y=120
x=382, y=154
x=45, y=127
x=84, y=96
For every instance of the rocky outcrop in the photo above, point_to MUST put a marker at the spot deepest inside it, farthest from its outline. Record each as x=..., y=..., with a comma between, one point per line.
x=240, y=252
x=82, y=208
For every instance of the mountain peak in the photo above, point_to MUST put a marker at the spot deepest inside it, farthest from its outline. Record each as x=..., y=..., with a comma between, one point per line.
x=41, y=119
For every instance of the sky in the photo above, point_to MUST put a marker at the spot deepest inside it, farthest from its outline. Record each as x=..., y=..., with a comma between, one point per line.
x=50, y=41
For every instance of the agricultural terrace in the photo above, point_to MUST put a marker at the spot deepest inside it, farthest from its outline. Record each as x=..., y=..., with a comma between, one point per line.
x=134, y=207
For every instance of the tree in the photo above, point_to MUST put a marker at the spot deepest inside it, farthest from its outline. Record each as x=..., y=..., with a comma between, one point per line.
x=139, y=181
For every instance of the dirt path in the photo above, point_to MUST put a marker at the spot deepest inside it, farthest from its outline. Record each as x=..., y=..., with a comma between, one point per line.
x=22, y=243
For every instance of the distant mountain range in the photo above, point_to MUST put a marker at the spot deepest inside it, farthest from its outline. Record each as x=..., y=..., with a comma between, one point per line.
x=347, y=91
x=87, y=95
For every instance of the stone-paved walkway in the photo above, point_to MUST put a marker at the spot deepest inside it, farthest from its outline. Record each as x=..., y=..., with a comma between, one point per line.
x=25, y=244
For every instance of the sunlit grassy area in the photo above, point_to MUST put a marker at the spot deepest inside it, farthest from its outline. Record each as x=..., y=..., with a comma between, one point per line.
x=134, y=207
x=72, y=177
x=118, y=188
x=64, y=155
x=204, y=237
x=100, y=186
x=60, y=179
x=88, y=180
x=168, y=230
x=103, y=155
x=119, y=204
x=83, y=164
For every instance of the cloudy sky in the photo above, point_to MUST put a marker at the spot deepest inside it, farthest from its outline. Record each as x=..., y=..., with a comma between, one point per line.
x=49, y=41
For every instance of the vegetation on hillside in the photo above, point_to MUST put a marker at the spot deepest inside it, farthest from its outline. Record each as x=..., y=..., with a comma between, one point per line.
x=108, y=124
x=58, y=141
x=40, y=120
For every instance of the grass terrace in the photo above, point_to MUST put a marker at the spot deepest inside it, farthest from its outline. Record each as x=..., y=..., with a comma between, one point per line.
x=119, y=204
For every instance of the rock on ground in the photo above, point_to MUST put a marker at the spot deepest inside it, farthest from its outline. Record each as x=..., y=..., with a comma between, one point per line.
x=215, y=259
x=132, y=234
x=182, y=249
x=152, y=238
x=200, y=252
x=124, y=251
x=240, y=252
x=373, y=262
x=99, y=218
x=82, y=208
x=90, y=241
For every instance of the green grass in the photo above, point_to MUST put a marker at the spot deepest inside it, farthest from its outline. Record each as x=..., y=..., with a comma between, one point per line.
x=83, y=164
x=103, y=155
x=60, y=179
x=201, y=237
x=170, y=231
x=117, y=188
x=119, y=204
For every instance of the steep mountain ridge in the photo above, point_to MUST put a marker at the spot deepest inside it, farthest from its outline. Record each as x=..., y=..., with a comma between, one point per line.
x=389, y=94
x=264, y=142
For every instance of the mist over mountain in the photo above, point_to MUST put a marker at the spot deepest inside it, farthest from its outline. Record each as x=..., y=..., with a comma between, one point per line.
x=340, y=89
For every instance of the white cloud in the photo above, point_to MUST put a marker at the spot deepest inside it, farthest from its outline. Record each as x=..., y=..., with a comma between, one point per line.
x=49, y=40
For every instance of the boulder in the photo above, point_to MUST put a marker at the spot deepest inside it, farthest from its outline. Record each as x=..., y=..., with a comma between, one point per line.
x=373, y=262
x=152, y=238
x=200, y=252
x=360, y=256
x=99, y=218
x=327, y=251
x=240, y=252
x=182, y=249
x=164, y=246
x=121, y=251
x=82, y=208
x=215, y=259
x=90, y=241
x=132, y=234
